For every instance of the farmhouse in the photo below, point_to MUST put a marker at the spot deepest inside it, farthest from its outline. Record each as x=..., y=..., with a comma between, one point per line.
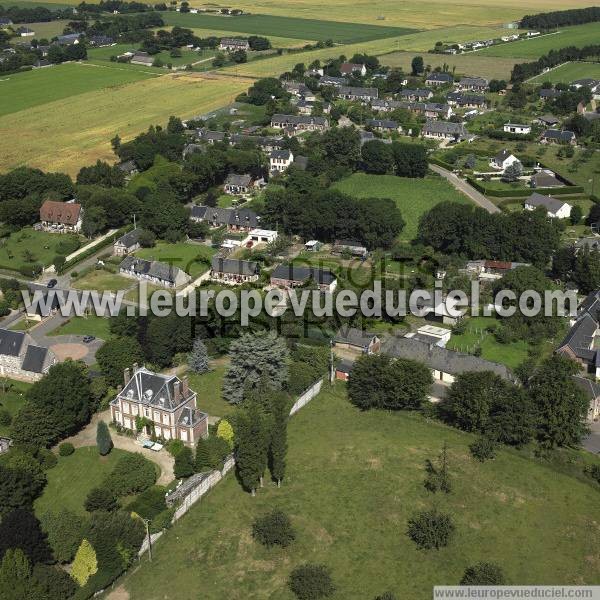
x=343, y=370
x=466, y=100
x=333, y=81
x=142, y=58
x=353, y=69
x=547, y=121
x=21, y=359
x=356, y=341
x=555, y=136
x=556, y=209
x=127, y=243
x=297, y=123
x=61, y=217
x=165, y=403
x=153, y=271
x=280, y=160
x=232, y=271
x=549, y=94
x=437, y=79
x=383, y=125
x=429, y=110
x=416, y=95
x=503, y=160
x=445, y=364
x=384, y=105
x=478, y=84
x=358, y=93
x=593, y=84
x=128, y=167
x=234, y=219
x=443, y=130
x=292, y=276
x=237, y=184
x=234, y=44
x=517, y=129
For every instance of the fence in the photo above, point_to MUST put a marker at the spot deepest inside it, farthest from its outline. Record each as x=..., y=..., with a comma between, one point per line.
x=189, y=492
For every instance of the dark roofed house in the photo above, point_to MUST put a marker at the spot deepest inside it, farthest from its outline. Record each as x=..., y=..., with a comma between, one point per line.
x=358, y=93
x=5, y=22
x=352, y=69
x=473, y=83
x=556, y=136
x=444, y=130
x=419, y=95
x=128, y=167
x=437, y=79
x=234, y=219
x=333, y=81
x=153, y=271
x=21, y=358
x=142, y=58
x=127, y=243
x=357, y=341
x=165, y=400
x=61, y=217
x=383, y=125
x=429, y=110
x=463, y=100
x=545, y=179
x=343, y=370
x=350, y=247
x=548, y=120
x=237, y=184
x=233, y=271
x=100, y=41
x=549, y=93
x=69, y=39
x=591, y=389
x=295, y=123
x=291, y=276
x=234, y=44
x=555, y=208
x=25, y=32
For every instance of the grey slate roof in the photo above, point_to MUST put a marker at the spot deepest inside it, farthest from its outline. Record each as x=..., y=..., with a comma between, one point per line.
x=354, y=337
x=445, y=127
x=502, y=155
x=382, y=123
x=359, y=92
x=131, y=238
x=11, y=342
x=590, y=388
x=580, y=338
x=226, y=216
x=303, y=274
x=298, y=119
x=335, y=81
x=443, y=77
x=34, y=359
x=152, y=268
x=238, y=180
x=154, y=389
x=420, y=93
x=442, y=359
x=559, y=136
x=549, y=203
x=233, y=266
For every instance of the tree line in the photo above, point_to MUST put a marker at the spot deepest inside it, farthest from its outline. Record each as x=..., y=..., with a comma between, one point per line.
x=561, y=18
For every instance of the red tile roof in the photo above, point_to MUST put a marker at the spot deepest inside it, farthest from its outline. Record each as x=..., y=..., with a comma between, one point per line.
x=65, y=213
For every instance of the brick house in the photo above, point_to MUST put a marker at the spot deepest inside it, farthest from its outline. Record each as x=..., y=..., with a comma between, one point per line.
x=165, y=402
x=61, y=217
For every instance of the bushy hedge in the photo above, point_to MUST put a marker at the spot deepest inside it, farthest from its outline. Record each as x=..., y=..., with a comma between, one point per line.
x=132, y=474
x=523, y=193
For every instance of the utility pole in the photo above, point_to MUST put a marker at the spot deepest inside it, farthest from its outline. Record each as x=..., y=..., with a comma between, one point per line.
x=147, y=523
x=331, y=370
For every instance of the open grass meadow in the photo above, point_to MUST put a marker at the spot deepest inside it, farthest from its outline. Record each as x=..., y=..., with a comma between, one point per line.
x=413, y=196
x=74, y=132
x=46, y=30
x=102, y=280
x=472, y=63
x=287, y=26
x=209, y=386
x=70, y=481
x=353, y=479
x=579, y=35
x=87, y=325
x=570, y=72
x=12, y=397
x=22, y=91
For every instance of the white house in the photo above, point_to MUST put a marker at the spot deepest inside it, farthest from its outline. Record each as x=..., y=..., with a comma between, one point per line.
x=503, y=160
x=260, y=236
x=280, y=160
x=517, y=129
x=556, y=209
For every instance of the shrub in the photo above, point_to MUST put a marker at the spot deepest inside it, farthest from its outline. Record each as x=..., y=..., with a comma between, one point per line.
x=483, y=448
x=311, y=582
x=103, y=439
x=483, y=573
x=174, y=447
x=100, y=498
x=225, y=431
x=64, y=530
x=184, y=464
x=85, y=563
x=430, y=529
x=593, y=471
x=131, y=475
x=274, y=529
x=66, y=449
x=46, y=458
x=5, y=417
x=149, y=503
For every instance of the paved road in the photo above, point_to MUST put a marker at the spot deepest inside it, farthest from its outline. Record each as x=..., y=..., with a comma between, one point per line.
x=592, y=442
x=465, y=188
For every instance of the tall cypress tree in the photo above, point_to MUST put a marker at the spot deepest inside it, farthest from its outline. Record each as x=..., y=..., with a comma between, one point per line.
x=278, y=447
x=202, y=461
x=251, y=447
x=103, y=439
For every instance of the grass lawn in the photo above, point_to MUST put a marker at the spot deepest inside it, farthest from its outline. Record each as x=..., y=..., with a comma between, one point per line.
x=50, y=136
x=353, y=479
x=23, y=324
x=134, y=294
x=101, y=280
x=23, y=91
x=579, y=35
x=413, y=196
x=45, y=30
x=70, y=481
x=208, y=386
x=90, y=325
x=570, y=72
x=286, y=26
x=182, y=255
x=12, y=399
x=28, y=246
x=492, y=68
x=511, y=355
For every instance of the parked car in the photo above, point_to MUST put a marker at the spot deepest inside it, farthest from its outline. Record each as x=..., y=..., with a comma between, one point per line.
x=88, y=338
x=52, y=283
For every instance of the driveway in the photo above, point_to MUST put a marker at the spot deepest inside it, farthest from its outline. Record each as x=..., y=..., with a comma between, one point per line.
x=592, y=442
x=465, y=188
x=87, y=437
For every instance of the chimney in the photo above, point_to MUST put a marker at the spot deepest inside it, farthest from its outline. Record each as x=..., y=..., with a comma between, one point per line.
x=126, y=376
x=176, y=390
x=185, y=387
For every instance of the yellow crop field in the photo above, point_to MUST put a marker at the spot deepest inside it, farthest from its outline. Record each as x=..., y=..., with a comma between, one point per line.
x=76, y=131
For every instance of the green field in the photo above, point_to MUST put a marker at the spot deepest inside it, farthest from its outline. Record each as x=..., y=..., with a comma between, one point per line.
x=276, y=40
x=89, y=325
x=70, y=481
x=11, y=399
x=45, y=30
x=102, y=281
x=290, y=27
x=182, y=255
x=40, y=86
x=580, y=35
x=570, y=72
x=413, y=196
x=209, y=386
x=353, y=479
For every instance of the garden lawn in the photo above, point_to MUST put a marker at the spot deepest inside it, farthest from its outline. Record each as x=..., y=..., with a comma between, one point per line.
x=101, y=280
x=412, y=196
x=209, y=386
x=182, y=255
x=353, y=480
x=90, y=325
x=569, y=72
x=22, y=91
x=28, y=246
x=70, y=481
x=12, y=399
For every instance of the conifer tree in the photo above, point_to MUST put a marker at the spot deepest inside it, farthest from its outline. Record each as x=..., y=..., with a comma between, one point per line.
x=198, y=358
x=85, y=563
x=103, y=439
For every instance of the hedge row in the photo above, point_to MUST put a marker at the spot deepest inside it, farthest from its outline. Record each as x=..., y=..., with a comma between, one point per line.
x=440, y=163
x=523, y=193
